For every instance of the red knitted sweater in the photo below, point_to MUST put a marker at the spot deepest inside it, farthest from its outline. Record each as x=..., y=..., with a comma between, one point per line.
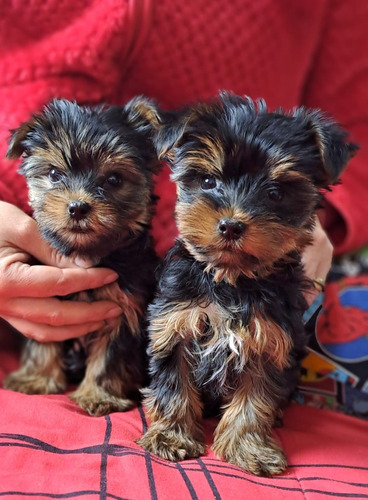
x=290, y=52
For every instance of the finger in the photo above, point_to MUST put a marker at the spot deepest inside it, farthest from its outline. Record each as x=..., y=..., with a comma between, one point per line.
x=23, y=280
x=55, y=312
x=25, y=235
x=317, y=264
x=309, y=265
x=324, y=266
x=47, y=333
x=317, y=257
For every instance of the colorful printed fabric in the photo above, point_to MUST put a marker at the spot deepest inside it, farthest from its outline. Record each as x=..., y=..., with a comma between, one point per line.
x=335, y=372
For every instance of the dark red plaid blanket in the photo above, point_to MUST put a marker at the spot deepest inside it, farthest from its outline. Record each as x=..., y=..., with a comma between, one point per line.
x=51, y=449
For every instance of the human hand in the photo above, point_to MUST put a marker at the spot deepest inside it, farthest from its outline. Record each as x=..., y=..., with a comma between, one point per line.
x=316, y=260
x=27, y=292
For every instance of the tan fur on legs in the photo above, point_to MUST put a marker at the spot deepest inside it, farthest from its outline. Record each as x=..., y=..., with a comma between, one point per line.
x=41, y=370
x=97, y=394
x=243, y=435
x=98, y=402
x=171, y=444
x=175, y=432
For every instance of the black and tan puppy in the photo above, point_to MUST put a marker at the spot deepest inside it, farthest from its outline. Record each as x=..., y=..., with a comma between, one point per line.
x=226, y=324
x=90, y=177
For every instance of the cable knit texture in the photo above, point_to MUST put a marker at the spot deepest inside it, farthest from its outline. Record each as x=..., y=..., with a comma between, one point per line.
x=285, y=51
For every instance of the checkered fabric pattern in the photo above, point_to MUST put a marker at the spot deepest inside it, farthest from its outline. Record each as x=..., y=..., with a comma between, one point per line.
x=51, y=449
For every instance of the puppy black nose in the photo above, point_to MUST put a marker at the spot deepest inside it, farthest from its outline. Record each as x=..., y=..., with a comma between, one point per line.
x=78, y=210
x=231, y=229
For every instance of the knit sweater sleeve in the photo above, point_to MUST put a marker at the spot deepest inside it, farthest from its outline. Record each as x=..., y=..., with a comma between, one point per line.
x=338, y=83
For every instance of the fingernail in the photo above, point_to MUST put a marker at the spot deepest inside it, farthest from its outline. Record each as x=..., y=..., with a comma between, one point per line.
x=110, y=278
x=112, y=313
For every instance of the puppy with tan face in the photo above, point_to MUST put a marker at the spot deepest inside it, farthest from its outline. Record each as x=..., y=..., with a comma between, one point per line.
x=226, y=325
x=90, y=178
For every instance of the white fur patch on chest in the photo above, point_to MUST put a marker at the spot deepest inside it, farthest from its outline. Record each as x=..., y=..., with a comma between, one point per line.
x=220, y=337
x=226, y=332
x=224, y=337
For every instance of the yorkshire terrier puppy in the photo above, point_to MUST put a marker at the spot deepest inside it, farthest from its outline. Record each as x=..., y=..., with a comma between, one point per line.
x=226, y=324
x=90, y=178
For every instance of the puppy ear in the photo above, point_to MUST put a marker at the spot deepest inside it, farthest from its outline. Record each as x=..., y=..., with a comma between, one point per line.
x=168, y=136
x=143, y=114
x=17, y=141
x=334, y=150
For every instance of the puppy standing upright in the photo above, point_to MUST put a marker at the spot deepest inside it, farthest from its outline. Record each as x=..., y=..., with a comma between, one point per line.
x=90, y=177
x=226, y=324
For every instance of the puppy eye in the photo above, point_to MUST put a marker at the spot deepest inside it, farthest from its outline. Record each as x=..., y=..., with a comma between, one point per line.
x=114, y=180
x=208, y=182
x=55, y=176
x=275, y=194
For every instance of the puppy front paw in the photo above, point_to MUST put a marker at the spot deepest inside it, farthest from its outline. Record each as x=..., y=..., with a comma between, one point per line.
x=101, y=403
x=171, y=444
x=262, y=457
x=21, y=381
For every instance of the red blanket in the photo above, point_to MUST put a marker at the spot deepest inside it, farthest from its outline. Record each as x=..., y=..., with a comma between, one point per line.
x=51, y=449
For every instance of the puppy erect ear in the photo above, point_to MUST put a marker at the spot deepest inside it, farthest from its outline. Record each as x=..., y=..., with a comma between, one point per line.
x=18, y=140
x=330, y=139
x=174, y=124
x=143, y=114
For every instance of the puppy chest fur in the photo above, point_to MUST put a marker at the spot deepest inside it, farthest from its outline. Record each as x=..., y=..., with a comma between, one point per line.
x=220, y=346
